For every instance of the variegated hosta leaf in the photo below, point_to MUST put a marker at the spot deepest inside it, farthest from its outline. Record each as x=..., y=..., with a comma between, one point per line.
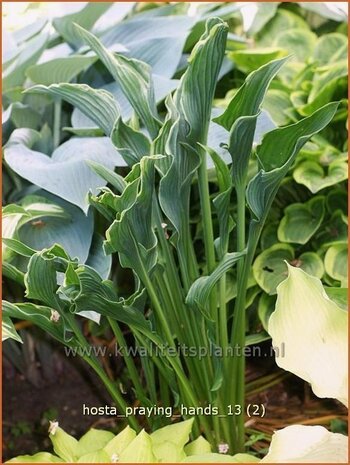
x=97, y=104
x=307, y=444
x=313, y=331
x=276, y=154
x=134, y=78
x=200, y=290
x=131, y=234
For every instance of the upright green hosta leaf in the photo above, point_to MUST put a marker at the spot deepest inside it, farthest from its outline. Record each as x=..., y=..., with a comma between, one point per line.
x=59, y=69
x=313, y=330
x=276, y=163
x=307, y=444
x=199, y=292
x=316, y=177
x=222, y=202
x=41, y=280
x=336, y=263
x=270, y=267
x=134, y=78
x=66, y=173
x=139, y=450
x=86, y=17
x=301, y=221
x=99, y=105
x=190, y=112
x=248, y=98
x=9, y=330
x=87, y=292
x=132, y=144
x=131, y=234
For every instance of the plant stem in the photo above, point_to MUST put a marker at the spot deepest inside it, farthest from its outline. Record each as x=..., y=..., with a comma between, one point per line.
x=57, y=122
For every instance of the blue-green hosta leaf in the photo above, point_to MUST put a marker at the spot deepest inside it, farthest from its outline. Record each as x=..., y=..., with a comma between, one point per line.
x=86, y=18
x=301, y=221
x=162, y=87
x=247, y=100
x=316, y=177
x=14, y=75
x=59, y=69
x=277, y=103
x=314, y=332
x=199, y=292
x=134, y=78
x=9, y=330
x=256, y=16
x=311, y=444
x=73, y=230
x=276, y=163
x=66, y=173
x=99, y=105
x=130, y=143
x=336, y=263
x=270, y=267
x=131, y=234
x=11, y=50
x=327, y=10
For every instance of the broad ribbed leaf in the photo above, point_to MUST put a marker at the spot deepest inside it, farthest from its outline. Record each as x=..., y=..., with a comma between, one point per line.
x=130, y=143
x=200, y=290
x=134, y=78
x=99, y=105
x=317, y=177
x=59, y=69
x=276, y=154
x=313, y=330
x=66, y=173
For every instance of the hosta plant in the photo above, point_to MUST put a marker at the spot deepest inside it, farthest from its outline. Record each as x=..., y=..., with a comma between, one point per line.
x=183, y=296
